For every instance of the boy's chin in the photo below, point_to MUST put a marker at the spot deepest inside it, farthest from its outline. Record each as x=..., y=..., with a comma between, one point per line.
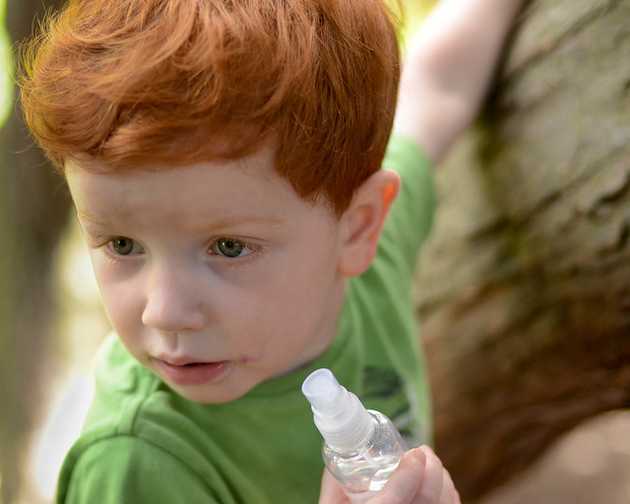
x=215, y=393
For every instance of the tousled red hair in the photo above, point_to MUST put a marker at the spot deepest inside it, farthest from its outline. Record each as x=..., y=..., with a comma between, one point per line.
x=175, y=82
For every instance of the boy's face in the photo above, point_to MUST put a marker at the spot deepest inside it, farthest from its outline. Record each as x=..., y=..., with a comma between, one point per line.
x=215, y=276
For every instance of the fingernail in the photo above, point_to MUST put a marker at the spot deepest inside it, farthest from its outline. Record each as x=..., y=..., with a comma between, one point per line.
x=427, y=450
x=419, y=456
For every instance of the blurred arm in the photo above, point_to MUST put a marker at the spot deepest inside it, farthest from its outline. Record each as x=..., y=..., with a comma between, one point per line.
x=448, y=68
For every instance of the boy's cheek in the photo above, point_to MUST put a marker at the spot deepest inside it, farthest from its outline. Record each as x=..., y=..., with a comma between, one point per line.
x=122, y=305
x=109, y=271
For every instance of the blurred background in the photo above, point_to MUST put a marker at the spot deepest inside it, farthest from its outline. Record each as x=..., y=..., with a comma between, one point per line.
x=51, y=321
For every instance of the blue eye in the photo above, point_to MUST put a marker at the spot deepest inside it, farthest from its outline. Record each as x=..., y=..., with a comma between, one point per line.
x=122, y=246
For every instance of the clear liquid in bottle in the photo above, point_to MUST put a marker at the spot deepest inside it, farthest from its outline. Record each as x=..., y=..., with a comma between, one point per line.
x=368, y=468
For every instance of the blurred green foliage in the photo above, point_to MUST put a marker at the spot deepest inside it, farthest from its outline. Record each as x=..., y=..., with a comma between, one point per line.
x=6, y=67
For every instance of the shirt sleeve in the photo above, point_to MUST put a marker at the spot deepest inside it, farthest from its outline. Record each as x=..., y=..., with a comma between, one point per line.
x=125, y=469
x=411, y=215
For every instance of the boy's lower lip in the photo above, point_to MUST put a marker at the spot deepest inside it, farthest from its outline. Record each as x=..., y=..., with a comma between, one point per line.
x=196, y=374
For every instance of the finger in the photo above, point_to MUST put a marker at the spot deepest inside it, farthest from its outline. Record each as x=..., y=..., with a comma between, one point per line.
x=449, y=492
x=448, y=495
x=331, y=491
x=433, y=479
x=405, y=481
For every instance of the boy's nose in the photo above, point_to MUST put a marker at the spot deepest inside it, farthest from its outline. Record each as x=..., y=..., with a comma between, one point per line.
x=171, y=305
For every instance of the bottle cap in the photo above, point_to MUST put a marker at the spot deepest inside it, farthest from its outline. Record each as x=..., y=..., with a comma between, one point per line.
x=338, y=414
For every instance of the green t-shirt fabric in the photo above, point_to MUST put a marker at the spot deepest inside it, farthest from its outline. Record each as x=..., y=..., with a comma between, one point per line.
x=143, y=443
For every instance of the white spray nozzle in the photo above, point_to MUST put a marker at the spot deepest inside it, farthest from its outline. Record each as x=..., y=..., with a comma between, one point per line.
x=322, y=389
x=338, y=414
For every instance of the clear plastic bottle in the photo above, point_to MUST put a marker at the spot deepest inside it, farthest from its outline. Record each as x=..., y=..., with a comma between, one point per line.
x=361, y=447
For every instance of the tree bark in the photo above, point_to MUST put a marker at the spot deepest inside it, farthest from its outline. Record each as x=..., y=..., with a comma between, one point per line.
x=524, y=288
x=33, y=213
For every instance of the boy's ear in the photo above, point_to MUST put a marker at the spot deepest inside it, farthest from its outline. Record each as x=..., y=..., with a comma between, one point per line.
x=362, y=222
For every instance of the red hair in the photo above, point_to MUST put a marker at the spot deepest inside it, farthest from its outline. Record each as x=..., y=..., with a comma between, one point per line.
x=175, y=82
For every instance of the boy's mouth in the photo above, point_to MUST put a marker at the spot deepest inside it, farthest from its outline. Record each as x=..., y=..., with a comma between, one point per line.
x=185, y=372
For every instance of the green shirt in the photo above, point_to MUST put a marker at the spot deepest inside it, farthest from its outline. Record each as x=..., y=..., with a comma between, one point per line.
x=144, y=443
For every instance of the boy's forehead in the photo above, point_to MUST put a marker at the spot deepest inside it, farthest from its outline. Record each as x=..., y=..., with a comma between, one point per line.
x=230, y=193
x=258, y=167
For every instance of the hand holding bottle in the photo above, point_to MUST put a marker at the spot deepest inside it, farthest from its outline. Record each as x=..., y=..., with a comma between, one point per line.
x=420, y=478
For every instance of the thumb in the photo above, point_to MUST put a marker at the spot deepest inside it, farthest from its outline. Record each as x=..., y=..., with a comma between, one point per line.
x=405, y=481
x=331, y=491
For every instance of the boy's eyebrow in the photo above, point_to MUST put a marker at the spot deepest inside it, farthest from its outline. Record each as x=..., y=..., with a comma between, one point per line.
x=221, y=223
x=84, y=215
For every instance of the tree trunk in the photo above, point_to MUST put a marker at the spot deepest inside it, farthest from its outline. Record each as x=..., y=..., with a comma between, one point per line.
x=33, y=213
x=524, y=287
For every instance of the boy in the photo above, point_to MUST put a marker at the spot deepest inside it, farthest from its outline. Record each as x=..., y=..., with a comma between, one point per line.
x=223, y=158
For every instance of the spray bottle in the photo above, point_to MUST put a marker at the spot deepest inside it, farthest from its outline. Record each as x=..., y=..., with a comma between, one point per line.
x=361, y=447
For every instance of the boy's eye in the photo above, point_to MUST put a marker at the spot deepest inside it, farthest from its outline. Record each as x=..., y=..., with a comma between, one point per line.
x=229, y=247
x=122, y=246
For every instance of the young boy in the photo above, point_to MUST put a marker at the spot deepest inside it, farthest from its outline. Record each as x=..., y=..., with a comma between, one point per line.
x=223, y=158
